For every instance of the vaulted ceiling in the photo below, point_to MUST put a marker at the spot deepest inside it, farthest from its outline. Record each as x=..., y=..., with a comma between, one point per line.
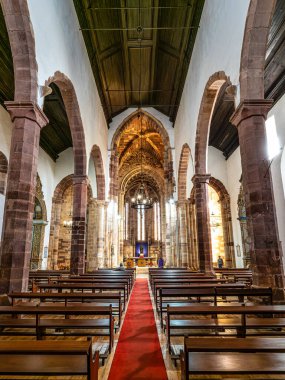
x=140, y=151
x=139, y=50
x=153, y=59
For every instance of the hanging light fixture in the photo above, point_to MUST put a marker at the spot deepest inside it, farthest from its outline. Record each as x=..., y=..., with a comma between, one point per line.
x=141, y=199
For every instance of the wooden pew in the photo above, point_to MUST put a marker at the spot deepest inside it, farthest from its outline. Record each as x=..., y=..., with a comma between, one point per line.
x=49, y=358
x=240, y=356
x=40, y=323
x=173, y=298
x=113, y=275
x=101, y=280
x=193, y=285
x=96, y=299
x=87, y=286
x=241, y=322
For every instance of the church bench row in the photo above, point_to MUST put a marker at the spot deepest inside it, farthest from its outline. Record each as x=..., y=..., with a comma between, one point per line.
x=172, y=297
x=243, y=320
x=49, y=358
x=108, y=270
x=84, y=287
x=258, y=355
x=194, y=285
x=101, y=280
x=94, y=299
x=187, y=280
x=114, y=275
x=40, y=323
x=181, y=276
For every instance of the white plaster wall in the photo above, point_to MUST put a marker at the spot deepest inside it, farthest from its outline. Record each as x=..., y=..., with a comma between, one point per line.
x=92, y=177
x=277, y=170
x=217, y=48
x=60, y=47
x=217, y=165
x=234, y=173
x=190, y=173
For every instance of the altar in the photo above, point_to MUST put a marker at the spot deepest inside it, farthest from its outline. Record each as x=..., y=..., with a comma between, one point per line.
x=141, y=262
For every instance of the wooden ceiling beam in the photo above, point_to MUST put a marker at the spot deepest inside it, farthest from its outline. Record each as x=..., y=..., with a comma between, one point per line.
x=127, y=82
x=154, y=51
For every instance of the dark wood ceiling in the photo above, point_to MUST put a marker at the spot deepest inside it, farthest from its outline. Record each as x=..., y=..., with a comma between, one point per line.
x=139, y=67
x=223, y=135
x=115, y=58
x=274, y=76
x=6, y=64
x=56, y=135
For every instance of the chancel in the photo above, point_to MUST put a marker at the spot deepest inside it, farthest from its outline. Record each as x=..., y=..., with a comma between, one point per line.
x=142, y=182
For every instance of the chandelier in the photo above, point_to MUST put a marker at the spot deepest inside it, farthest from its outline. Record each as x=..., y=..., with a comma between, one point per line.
x=141, y=199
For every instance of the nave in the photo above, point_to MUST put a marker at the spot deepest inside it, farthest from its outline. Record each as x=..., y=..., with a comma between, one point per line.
x=139, y=330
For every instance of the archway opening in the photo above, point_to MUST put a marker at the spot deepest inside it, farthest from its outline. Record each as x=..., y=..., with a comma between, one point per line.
x=216, y=226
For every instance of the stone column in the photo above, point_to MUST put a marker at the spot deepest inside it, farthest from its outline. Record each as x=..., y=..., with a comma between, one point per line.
x=54, y=234
x=77, y=259
x=228, y=232
x=101, y=233
x=266, y=253
x=193, y=256
x=183, y=241
x=28, y=119
x=91, y=242
x=200, y=182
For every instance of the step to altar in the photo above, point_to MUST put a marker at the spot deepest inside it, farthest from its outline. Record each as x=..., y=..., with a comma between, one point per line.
x=141, y=270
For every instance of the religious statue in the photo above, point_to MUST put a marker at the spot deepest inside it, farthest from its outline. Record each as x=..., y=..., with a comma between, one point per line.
x=141, y=251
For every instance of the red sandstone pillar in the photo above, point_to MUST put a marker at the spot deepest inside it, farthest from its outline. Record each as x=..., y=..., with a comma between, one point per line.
x=28, y=119
x=266, y=254
x=77, y=259
x=200, y=182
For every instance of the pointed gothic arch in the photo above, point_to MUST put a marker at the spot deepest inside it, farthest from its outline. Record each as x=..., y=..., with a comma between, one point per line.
x=99, y=171
x=74, y=119
x=254, y=49
x=207, y=106
x=182, y=172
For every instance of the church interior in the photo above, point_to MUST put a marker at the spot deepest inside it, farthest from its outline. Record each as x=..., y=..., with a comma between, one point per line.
x=142, y=189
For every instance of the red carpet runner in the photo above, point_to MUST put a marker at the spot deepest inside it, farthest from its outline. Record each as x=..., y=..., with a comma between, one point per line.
x=138, y=354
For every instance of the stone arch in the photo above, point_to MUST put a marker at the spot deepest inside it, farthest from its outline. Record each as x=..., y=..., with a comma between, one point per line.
x=182, y=172
x=114, y=159
x=3, y=172
x=224, y=199
x=125, y=123
x=99, y=170
x=207, y=106
x=22, y=42
x=254, y=49
x=59, y=197
x=74, y=118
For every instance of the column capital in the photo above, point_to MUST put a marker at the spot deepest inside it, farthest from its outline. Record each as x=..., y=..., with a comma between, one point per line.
x=251, y=107
x=26, y=110
x=80, y=178
x=201, y=178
